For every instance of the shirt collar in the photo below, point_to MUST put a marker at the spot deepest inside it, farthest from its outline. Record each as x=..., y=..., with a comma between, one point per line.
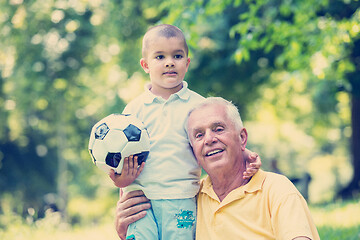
x=255, y=184
x=183, y=94
x=206, y=188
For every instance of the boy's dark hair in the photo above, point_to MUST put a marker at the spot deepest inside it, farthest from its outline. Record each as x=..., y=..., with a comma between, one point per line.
x=167, y=31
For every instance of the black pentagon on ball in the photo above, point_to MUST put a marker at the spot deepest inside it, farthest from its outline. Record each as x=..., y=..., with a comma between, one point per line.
x=101, y=131
x=132, y=133
x=113, y=159
x=142, y=157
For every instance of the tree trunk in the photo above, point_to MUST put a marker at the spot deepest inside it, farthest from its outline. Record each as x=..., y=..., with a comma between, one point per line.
x=355, y=143
x=353, y=189
x=62, y=164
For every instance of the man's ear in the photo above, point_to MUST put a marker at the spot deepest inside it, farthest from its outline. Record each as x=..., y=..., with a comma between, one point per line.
x=243, y=138
x=144, y=65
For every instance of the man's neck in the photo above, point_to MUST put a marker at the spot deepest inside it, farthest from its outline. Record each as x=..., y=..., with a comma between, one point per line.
x=222, y=187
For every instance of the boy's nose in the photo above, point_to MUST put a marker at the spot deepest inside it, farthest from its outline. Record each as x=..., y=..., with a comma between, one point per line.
x=170, y=64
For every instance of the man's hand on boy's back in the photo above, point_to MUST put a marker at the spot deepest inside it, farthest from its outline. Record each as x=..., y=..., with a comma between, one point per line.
x=130, y=171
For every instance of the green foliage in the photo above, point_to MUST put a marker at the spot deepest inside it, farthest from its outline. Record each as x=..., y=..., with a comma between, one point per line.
x=66, y=64
x=295, y=55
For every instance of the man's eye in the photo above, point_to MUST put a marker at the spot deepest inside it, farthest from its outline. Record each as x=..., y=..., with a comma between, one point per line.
x=198, y=135
x=219, y=129
x=159, y=57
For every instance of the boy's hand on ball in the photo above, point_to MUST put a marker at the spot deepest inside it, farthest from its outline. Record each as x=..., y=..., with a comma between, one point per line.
x=131, y=170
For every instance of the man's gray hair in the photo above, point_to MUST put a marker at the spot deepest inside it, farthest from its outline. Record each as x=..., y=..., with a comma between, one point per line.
x=231, y=110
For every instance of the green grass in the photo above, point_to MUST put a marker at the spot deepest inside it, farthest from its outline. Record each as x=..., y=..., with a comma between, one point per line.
x=335, y=221
x=328, y=232
x=338, y=221
x=51, y=227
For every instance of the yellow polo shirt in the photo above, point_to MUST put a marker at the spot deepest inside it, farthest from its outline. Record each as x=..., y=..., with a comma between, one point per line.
x=268, y=207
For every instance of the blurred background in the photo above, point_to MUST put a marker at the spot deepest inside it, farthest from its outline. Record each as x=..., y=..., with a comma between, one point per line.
x=292, y=67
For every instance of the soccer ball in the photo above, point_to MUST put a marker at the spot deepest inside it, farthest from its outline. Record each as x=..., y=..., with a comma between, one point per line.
x=115, y=137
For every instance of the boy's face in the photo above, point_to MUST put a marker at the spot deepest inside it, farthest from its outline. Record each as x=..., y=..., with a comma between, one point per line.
x=166, y=62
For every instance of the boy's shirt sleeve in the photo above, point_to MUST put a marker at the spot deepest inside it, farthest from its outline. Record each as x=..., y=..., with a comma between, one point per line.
x=129, y=108
x=126, y=110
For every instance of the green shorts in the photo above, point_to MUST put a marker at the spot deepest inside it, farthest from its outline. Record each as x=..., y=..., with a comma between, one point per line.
x=167, y=219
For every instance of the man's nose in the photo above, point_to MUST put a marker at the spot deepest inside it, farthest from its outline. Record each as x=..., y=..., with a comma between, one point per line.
x=210, y=137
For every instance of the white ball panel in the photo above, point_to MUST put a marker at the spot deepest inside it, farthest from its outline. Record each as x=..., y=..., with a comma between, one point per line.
x=99, y=151
x=119, y=168
x=104, y=167
x=145, y=140
x=115, y=140
x=132, y=148
x=118, y=121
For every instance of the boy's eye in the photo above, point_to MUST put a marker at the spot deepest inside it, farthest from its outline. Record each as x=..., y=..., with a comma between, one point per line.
x=159, y=57
x=178, y=56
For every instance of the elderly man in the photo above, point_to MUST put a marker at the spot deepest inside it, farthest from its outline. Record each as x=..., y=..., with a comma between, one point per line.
x=229, y=207
x=268, y=206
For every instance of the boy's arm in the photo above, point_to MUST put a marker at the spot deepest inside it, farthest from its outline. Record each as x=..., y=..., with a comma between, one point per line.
x=253, y=163
x=130, y=171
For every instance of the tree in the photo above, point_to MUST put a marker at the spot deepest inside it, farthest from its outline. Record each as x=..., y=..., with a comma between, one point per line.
x=62, y=64
x=318, y=40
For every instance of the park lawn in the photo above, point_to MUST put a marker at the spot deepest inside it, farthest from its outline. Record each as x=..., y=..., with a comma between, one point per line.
x=335, y=221
x=96, y=232
x=338, y=233
x=338, y=221
x=51, y=228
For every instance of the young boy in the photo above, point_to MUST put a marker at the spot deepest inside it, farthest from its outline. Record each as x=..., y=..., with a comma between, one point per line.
x=171, y=176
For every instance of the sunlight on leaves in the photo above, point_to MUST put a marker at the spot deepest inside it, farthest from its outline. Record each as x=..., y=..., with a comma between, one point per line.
x=19, y=18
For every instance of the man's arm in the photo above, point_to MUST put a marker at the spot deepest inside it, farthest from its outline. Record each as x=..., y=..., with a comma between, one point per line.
x=291, y=214
x=131, y=207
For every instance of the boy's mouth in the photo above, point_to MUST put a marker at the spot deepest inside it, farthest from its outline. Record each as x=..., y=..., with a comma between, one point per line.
x=170, y=73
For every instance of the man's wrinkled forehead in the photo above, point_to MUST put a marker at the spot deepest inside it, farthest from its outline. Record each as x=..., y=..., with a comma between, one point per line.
x=212, y=116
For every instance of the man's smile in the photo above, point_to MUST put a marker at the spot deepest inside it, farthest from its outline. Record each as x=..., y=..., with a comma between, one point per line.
x=213, y=152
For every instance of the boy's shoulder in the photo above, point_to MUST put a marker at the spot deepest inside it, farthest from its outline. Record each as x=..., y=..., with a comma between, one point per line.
x=135, y=103
x=195, y=95
x=191, y=95
x=138, y=99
